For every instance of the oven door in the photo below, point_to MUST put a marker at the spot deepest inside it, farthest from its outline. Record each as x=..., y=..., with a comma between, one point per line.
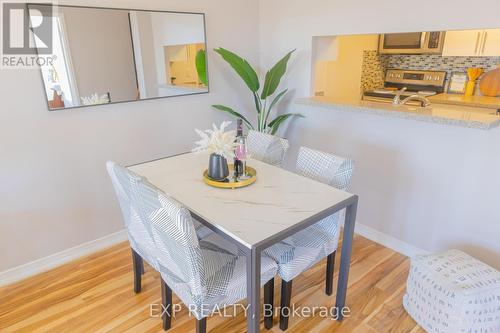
x=412, y=43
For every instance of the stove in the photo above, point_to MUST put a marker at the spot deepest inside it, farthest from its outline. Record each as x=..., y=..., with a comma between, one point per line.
x=413, y=82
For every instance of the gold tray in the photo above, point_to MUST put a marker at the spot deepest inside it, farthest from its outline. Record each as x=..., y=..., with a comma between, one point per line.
x=231, y=183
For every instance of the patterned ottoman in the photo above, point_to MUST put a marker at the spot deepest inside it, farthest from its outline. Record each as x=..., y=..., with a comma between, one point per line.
x=453, y=293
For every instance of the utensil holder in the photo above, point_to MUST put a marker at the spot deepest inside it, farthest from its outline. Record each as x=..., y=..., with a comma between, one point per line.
x=217, y=167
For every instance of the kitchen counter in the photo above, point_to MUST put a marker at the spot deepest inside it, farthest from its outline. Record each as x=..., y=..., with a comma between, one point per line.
x=471, y=101
x=471, y=117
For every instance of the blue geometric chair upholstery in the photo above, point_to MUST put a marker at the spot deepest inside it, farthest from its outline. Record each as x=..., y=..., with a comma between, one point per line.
x=267, y=148
x=306, y=248
x=138, y=231
x=206, y=274
x=325, y=168
x=331, y=170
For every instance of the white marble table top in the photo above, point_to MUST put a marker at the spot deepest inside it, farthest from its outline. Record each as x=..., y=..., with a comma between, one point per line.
x=278, y=200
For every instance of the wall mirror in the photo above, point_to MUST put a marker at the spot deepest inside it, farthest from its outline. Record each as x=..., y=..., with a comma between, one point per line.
x=104, y=55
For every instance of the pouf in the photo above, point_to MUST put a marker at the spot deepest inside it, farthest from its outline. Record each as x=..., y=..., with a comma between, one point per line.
x=452, y=292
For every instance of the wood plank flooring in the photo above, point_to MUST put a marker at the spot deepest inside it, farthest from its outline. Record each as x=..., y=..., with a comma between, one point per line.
x=95, y=294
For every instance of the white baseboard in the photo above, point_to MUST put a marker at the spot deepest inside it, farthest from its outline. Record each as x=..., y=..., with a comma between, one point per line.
x=44, y=264
x=388, y=241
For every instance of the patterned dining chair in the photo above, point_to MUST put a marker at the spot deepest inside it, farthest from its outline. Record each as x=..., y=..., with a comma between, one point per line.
x=206, y=274
x=139, y=233
x=303, y=250
x=267, y=148
x=138, y=230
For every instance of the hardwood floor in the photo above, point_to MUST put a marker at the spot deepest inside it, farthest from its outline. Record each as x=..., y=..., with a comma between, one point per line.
x=95, y=294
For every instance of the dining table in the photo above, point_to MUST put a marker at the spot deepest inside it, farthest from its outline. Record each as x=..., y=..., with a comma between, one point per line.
x=279, y=204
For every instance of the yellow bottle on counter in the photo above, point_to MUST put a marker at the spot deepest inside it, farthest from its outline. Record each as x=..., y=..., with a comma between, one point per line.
x=470, y=88
x=474, y=74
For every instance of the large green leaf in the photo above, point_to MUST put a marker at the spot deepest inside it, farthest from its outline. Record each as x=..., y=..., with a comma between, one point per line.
x=274, y=75
x=275, y=124
x=201, y=66
x=258, y=103
x=233, y=113
x=273, y=103
x=242, y=67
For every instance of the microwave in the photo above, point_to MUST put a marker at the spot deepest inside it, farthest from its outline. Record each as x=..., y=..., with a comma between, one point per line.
x=412, y=43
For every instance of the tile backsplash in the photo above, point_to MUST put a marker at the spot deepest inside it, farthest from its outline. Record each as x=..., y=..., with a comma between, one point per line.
x=373, y=70
x=372, y=62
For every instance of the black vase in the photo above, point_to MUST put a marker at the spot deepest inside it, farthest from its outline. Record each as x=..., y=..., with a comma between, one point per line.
x=217, y=167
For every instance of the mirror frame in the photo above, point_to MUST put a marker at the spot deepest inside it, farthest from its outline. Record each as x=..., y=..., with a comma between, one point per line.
x=127, y=9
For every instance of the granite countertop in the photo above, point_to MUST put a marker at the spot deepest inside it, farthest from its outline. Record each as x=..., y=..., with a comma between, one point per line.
x=471, y=117
x=472, y=101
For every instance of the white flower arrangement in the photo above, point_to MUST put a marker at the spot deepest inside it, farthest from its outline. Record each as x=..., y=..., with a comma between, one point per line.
x=95, y=99
x=216, y=141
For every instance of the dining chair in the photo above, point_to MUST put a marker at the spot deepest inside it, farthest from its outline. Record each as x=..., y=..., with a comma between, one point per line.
x=304, y=249
x=138, y=229
x=206, y=274
x=267, y=148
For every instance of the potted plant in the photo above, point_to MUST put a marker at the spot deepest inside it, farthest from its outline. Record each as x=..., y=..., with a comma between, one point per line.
x=263, y=102
x=220, y=145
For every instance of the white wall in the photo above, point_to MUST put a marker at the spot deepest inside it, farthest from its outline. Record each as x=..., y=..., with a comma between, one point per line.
x=101, y=52
x=151, y=33
x=432, y=186
x=54, y=190
x=173, y=29
x=144, y=53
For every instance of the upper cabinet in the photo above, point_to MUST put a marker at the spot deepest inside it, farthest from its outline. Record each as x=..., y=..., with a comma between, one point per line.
x=462, y=43
x=472, y=43
x=491, y=43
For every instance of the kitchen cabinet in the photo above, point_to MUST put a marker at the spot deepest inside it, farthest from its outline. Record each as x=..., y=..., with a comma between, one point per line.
x=472, y=43
x=462, y=43
x=491, y=43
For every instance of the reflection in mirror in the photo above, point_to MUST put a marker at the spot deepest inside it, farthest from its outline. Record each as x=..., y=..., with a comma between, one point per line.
x=437, y=67
x=106, y=56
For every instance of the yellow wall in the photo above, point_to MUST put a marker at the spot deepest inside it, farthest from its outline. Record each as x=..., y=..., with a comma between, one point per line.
x=181, y=61
x=340, y=77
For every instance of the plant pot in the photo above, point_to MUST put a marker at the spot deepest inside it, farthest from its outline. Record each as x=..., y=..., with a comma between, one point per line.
x=217, y=167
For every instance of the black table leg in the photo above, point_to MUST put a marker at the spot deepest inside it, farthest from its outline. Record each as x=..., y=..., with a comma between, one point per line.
x=345, y=260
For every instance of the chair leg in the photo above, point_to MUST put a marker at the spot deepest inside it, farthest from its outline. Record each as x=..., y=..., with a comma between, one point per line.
x=269, y=304
x=201, y=325
x=330, y=263
x=166, y=301
x=286, y=297
x=137, y=264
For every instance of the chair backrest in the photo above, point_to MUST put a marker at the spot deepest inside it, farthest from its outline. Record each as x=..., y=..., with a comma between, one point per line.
x=326, y=168
x=266, y=147
x=179, y=254
x=138, y=228
x=175, y=249
x=331, y=170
